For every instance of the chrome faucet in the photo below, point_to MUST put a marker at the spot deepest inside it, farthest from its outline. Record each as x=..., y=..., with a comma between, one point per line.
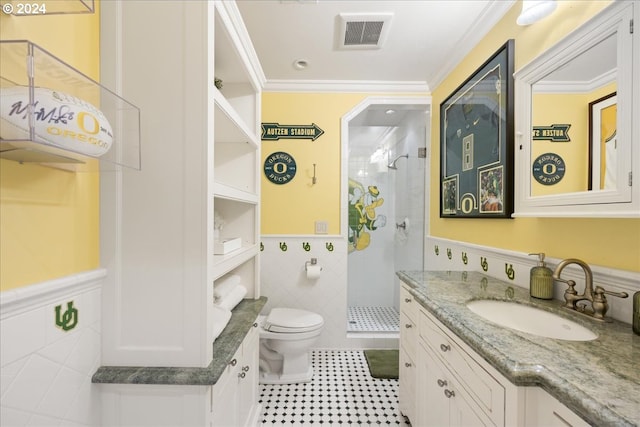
x=595, y=298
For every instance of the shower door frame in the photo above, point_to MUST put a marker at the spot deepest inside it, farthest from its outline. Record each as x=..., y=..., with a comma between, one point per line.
x=418, y=101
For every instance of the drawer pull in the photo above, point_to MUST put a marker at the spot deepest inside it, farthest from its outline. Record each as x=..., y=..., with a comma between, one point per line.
x=407, y=364
x=234, y=362
x=408, y=326
x=445, y=347
x=242, y=375
x=442, y=383
x=255, y=325
x=407, y=300
x=449, y=393
x=245, y=368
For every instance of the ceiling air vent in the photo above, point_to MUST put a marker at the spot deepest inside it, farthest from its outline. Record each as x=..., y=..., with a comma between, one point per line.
x=363, y=31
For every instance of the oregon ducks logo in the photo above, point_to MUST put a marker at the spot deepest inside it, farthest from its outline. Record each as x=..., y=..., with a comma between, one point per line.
x=279, y=167
x=67, y=320
x=548, y=169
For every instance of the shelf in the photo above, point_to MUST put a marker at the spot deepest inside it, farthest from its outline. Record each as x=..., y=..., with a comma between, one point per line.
x=229, y=126
x=222, y=191
x=53, y=114
x=222, y=264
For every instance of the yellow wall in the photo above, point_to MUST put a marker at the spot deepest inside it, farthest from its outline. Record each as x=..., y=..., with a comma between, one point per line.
x=49, y=219
x=293, y=208
x=607, y=242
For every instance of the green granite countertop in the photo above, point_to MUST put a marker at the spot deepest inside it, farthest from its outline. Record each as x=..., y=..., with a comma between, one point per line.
x=242, y=319
x=599, y=379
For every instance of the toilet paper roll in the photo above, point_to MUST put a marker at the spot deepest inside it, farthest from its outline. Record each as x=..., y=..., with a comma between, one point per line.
x=313, y=271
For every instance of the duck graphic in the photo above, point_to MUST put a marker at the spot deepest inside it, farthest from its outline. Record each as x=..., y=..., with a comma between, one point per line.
x=362, y=214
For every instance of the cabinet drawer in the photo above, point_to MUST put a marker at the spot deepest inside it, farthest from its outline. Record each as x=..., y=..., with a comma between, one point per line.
x=407, y=385
x=408, y=334
x=408, y=305
x=483, y=388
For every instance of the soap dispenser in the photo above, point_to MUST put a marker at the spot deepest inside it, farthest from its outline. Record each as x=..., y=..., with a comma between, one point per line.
x=541, y=280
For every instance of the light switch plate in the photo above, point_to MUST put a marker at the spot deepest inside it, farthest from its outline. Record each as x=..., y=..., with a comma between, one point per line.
x=322, y=227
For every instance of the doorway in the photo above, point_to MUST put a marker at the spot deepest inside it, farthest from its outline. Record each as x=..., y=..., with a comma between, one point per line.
x=385, y=140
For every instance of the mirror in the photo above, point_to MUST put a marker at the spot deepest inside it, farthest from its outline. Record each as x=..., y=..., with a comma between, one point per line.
x=563, y=111
x=574, y=132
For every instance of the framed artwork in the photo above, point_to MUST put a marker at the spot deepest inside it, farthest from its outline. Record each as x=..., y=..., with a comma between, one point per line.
x=476, y=142
x=603, y=143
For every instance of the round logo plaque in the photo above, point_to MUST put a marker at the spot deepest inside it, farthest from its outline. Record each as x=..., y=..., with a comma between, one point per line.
x=280, y=167
x=548, y=169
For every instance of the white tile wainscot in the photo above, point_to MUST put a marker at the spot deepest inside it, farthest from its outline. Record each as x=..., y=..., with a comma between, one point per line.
x=46, y=371
x=284, y=282
x=450, y=255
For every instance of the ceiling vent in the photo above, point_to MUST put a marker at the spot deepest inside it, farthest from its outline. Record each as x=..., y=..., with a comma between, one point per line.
x=363, y=30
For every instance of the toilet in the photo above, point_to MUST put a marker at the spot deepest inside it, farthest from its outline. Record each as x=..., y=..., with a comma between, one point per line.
x=286, y=335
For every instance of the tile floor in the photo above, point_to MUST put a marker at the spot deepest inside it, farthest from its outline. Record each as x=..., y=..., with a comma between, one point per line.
x=342, y=392
x=373, y=319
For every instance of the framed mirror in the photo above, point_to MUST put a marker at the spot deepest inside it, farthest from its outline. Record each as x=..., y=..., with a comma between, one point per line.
x=575, y=139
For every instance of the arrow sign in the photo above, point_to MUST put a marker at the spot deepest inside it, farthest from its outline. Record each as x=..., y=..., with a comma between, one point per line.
x=553, y=133
x=275, y=131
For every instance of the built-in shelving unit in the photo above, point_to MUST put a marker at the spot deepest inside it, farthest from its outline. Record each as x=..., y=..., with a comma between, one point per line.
x=236, y=189
x=55, y=115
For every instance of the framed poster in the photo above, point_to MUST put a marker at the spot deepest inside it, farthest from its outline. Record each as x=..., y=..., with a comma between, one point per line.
x=603, y=143
x=476, y=142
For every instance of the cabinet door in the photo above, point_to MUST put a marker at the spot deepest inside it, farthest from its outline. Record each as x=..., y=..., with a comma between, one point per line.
x=432, y=408
x=407, y=385
x=224, y=405
x=248, y=380
x=542, y=409
x=441, y=401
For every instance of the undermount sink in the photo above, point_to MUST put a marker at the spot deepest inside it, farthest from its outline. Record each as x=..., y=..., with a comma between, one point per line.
x=531, y=320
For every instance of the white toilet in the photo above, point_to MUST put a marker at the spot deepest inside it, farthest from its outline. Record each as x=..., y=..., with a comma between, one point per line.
x=286, y=335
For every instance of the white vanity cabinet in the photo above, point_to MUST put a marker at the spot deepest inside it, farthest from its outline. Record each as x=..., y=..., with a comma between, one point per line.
x=542, y=409
x=459, y=389
x=449, y=403
x=235, y=396
x=449, y=384
x=407, y=357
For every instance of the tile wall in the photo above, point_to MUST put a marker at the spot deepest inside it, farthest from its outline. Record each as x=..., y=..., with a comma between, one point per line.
x=46, y=370
x=284, y=283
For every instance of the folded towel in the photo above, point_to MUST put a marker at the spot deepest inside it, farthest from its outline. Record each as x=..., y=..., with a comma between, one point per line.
x=233, y=298
x=224, y=285
x=221, y=317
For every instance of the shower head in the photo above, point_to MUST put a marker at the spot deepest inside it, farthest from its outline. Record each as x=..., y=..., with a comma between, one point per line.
x=392, y=165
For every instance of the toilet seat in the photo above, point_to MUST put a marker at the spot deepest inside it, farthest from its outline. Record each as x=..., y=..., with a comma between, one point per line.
x=292, y=320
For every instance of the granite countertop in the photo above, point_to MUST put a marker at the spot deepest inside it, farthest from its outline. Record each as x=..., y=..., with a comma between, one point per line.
x=599, y=379
x=242, y=319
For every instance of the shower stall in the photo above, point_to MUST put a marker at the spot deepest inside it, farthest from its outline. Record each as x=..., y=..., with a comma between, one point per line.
x=386, y=210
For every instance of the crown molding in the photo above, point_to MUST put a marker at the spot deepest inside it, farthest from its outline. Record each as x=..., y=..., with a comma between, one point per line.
x=350, y=86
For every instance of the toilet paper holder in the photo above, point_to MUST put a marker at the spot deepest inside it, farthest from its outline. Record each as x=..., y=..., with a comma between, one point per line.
x=312, y=261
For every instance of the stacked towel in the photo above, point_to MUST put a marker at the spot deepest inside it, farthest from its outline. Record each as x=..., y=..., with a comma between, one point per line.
x=232, y=299
x=228, y=291
x=224, y=286
x=221, y=317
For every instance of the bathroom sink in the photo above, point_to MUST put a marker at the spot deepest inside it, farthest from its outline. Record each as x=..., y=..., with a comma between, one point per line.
x=531, y=320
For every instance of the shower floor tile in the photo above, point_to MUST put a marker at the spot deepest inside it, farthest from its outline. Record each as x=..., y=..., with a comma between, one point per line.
x=373, y=319
x=342, y=392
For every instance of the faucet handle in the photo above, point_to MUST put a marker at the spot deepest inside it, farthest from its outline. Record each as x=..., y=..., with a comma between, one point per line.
x=600, y=305
x=600, y=290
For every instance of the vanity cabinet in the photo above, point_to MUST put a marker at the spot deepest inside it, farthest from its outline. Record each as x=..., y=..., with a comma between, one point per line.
x=460, y=391
x=447, y=383
x=407, y=356
x=235, y=396
x=542, y=409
